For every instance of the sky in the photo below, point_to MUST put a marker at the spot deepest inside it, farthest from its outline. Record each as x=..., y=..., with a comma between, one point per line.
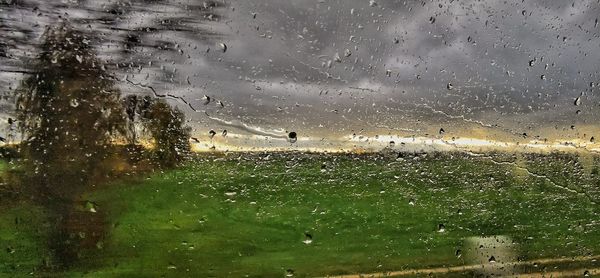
x=339, y=72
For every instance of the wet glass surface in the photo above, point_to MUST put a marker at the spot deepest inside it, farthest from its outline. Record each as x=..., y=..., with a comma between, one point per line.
x=304, y=138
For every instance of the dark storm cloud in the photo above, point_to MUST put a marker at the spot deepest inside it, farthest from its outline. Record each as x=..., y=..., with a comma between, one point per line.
x=332, y=67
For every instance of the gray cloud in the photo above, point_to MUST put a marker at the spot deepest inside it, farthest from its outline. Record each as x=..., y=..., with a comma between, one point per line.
x=334, y=67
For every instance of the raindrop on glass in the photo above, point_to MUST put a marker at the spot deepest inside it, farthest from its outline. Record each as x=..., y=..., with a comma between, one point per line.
x=205, y=100
x=307, y=238
x=223, y=47
x=293, y=137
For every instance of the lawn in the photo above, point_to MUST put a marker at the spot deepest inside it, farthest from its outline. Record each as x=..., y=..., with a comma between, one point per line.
x=251, y=216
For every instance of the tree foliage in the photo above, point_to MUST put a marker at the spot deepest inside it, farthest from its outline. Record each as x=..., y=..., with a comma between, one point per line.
x=68, y=109
x=168, y=131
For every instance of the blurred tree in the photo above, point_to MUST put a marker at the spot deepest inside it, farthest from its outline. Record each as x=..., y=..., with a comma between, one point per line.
x=166, y=127
x=67, y=111
x=132, y=107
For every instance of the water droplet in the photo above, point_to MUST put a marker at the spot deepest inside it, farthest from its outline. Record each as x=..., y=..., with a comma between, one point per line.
x=432, y=20
x=293, y=137
x=449, y=86
x=442, y=131
x=223, y=47
x=577, y=101
x=391, y=144
x=347, y=52
x=543, y=77
x=224, y=133
x=458, y=253
x=211, y=133
x=396, y=40
x=592, y=140
x=531, y=62
x=307, y=238
x=337, y=57
x=372, y=3
x=74, y=102
x=441, y=228
x=492, y=259
x=205, y=100
x=289, y=273
x=586, y=273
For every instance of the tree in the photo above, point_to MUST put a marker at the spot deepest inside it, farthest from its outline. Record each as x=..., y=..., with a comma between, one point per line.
x=166, y=127
x=67, y=111
x=132, y=108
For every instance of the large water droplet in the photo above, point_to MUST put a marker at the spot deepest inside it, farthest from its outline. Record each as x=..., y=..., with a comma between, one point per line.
x=347, y=52
x=307, y=238
x=337, y=57
x=205, y=100
x=223, y=47
x=293, y=137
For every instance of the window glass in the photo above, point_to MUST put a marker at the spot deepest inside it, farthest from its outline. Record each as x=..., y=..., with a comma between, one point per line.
x=300, y=138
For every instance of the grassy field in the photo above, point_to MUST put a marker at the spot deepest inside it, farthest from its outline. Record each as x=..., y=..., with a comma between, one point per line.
x=249, y=216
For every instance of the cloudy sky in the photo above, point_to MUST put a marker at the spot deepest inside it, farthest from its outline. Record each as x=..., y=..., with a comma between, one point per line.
x=329, y=69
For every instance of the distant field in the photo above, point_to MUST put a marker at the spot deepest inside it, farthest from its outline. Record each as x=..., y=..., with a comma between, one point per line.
x=249, y=216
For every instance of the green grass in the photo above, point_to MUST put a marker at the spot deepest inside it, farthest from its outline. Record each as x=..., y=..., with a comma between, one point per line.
x=22, y=238
x=3, y=165
x=365, y=215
